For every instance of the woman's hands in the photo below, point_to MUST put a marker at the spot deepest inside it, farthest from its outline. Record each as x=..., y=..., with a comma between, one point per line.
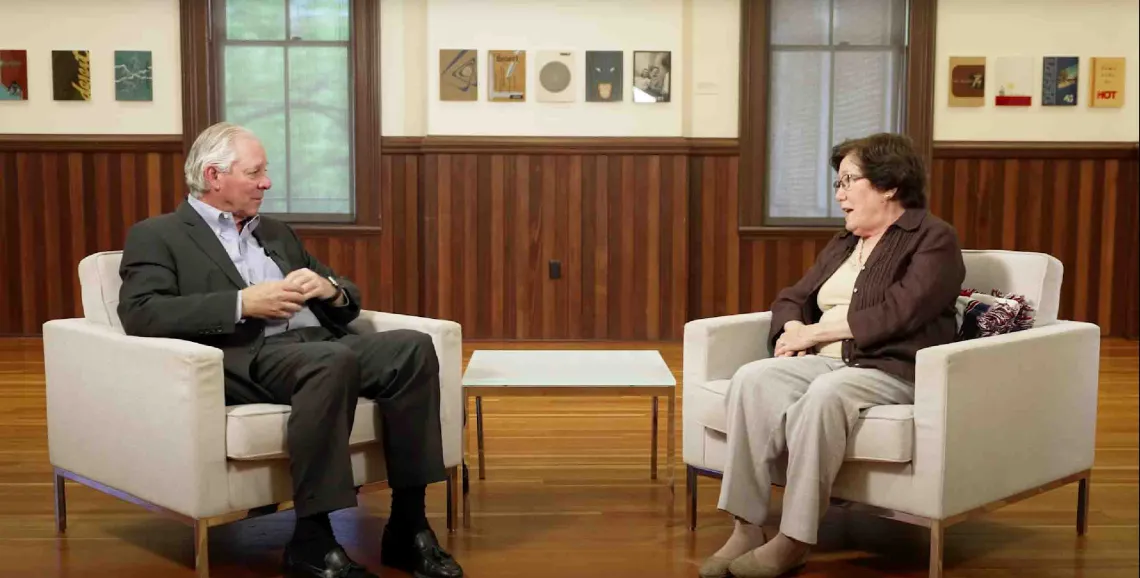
x=799, y=339
x=796, y=341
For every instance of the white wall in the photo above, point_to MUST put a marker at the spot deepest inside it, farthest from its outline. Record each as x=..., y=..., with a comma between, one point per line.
x=703, y=36
x=1038, y=28
x=101, y=27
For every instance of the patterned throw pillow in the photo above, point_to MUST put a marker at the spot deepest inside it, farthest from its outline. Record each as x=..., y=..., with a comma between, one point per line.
x=983, y=315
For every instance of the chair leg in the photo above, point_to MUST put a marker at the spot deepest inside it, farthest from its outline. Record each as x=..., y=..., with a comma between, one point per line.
x=1083, y=506
x=937, y=539
x=202, y=548
x=60, y=505
x=691, y=497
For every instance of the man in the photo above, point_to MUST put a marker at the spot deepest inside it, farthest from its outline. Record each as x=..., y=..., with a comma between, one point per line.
x=217, y=273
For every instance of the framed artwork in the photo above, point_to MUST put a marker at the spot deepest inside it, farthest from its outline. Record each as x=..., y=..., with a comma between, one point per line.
x=13, y=75
x=133, y=76
x=508, y=76
x=458, y=75
x=1106, y=87
x=556, y=78
x=1014, y=77
x=1059, y=77
x=71, y=75
x=604, y=75
x=651, y=76
x=967, y=81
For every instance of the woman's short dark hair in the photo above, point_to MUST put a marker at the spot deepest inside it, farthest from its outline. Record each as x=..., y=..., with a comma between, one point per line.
x=889, y=161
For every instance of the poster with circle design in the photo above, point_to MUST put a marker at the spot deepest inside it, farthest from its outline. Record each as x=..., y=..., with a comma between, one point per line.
x=556, y=79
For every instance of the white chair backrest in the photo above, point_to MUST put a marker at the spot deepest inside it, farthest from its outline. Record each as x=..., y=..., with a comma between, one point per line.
x=99, y=281
x=1036, y=276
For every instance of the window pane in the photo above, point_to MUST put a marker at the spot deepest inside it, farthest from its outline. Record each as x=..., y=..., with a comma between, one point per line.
x=798, y=135
x=254, y=97
x=864, y=100
x=255, y=19
x=878, y=22
x=318, y=20
x=800, y=21
x=320, y=141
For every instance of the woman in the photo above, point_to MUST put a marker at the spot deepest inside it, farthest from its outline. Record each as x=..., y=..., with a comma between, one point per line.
x=843, y=338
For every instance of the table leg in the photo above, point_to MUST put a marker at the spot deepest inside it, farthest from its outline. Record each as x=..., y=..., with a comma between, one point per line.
x=466, y=428
x=671, y=443
x=653, y=442
x=479, y=433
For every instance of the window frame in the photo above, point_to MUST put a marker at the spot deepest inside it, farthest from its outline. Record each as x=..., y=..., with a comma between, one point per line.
x=201, y=104
x=917, y=112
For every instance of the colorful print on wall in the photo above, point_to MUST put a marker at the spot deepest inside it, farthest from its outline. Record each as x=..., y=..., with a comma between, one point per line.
x=1014, y=77
x=71, y=74
x=1059, y=76
x=508, y=76
x=651, y=76
x=1106, y=87
x=133, y=75
x=458, y=75
x=556, y=82
x=604, y=75
x=13, y=75
x=967, y=81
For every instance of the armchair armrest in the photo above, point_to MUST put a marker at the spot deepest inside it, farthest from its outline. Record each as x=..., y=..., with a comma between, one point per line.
x=447, y=336
x=714, y=348
x=1000, y=415
x=145, y=416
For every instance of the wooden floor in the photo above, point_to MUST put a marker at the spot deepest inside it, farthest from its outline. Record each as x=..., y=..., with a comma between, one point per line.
x=567, y=494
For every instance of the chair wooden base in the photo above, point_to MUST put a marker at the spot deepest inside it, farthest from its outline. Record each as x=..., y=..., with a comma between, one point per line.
x=202, y=525
x=937, y=527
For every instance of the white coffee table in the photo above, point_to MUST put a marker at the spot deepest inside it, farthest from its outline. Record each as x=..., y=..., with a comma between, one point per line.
x=571, y=373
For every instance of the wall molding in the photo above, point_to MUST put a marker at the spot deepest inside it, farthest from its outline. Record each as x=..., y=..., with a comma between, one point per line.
x=541, y=145
x=1035, y=150
x=157, y=143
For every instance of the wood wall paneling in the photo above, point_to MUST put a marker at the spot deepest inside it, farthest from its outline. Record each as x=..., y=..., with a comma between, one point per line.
x=65, y=197
x=645, y=229
x=616, y=223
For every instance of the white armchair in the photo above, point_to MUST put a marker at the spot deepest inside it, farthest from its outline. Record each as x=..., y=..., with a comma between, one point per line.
x=144, y=419
x=995, y=420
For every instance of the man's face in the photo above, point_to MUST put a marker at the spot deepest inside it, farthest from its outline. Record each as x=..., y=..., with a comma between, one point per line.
x=242, y=189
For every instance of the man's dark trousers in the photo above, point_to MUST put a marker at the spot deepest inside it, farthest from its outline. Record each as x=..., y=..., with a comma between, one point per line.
x=321, y=377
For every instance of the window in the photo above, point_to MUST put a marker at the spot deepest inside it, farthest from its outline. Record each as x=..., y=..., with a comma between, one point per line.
x=284, y=70
x=837, y=69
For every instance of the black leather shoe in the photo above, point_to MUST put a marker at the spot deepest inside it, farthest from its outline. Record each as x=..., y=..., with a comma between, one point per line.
x=337, y=565
x=418, y=554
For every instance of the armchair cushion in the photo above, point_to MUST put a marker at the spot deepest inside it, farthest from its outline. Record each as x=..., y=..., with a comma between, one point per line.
x=257, y=431
x=99, y=285
x=883, y=433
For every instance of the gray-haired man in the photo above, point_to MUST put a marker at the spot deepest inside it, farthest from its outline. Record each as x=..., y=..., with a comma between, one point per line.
x=218, y=273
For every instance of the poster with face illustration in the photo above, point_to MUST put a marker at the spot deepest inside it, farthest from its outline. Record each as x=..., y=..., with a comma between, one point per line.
x=603, y=76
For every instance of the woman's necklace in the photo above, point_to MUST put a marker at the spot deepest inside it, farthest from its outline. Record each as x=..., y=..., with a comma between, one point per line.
x=861, y=263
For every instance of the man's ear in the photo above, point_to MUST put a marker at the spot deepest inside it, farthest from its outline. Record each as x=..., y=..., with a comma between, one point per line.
x=212, y=175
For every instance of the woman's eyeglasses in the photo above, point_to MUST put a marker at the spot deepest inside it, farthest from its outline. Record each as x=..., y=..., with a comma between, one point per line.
x=845, y=181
